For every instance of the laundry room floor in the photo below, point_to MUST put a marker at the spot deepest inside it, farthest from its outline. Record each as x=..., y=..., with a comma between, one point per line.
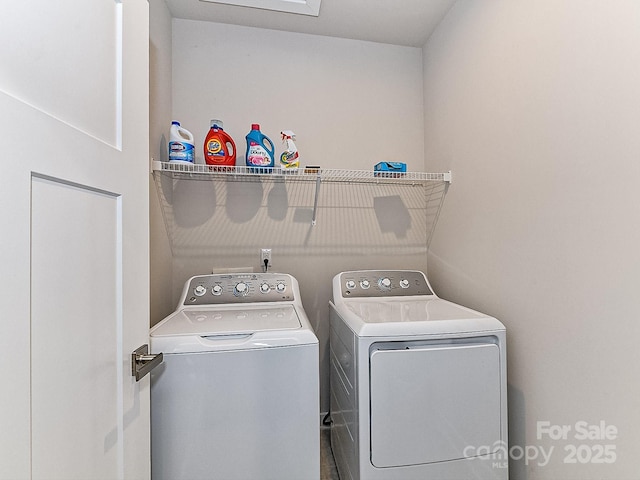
x=328, y=469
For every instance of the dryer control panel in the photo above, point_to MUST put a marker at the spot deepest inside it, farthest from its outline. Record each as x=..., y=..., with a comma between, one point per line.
x=383, y=283
x=239, y=288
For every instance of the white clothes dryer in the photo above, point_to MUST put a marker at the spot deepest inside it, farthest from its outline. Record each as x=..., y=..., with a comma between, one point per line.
x=418, y=384
x=237, y=396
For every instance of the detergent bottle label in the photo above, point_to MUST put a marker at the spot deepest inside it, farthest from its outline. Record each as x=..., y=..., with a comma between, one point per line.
x=258, y=156
x=214, y=147
x=181, y=151
x=289, y=159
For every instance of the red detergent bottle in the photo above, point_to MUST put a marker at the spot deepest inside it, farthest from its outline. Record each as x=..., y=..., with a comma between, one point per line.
x=219, y=147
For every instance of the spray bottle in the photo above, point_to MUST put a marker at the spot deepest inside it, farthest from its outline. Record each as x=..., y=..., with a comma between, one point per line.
x=289, y=159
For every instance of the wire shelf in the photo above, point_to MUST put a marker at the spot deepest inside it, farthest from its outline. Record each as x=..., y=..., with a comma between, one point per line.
x=311, y=174
x=359, y=210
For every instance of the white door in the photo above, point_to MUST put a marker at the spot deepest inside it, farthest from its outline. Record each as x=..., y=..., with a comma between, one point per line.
x=74, y=219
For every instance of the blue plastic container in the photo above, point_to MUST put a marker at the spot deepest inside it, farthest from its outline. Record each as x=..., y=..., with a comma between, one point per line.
x=260, y=149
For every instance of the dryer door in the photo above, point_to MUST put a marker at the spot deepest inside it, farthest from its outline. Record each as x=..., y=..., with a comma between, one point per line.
x=433, y=402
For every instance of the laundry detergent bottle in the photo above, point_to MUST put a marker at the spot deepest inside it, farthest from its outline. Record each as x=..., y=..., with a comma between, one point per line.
x=181, y=148
x=219, y=147
x=260, y=149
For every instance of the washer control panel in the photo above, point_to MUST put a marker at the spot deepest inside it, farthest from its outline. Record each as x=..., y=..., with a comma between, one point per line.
x=239, y=288
x=384, y=283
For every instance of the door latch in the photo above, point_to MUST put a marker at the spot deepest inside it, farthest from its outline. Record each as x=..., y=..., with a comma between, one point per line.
x=142, y=362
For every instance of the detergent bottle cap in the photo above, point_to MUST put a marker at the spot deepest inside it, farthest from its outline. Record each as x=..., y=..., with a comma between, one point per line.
x=255, y=126
x=216, y=123
x=175, y=123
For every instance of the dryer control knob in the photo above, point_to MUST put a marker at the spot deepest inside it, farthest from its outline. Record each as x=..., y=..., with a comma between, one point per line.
x=365, y=284
x=200, y=290
x=350, y=284
x=385, y=283
x=281, y=287
x=265, y=288
x=241, y=289
x=216, y=289
x=404, y=283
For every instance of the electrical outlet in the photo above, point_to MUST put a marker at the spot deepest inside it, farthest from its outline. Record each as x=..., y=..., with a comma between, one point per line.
x=265, y=254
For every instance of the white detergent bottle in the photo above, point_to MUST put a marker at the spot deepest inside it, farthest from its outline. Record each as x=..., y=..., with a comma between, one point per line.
x=181, y=146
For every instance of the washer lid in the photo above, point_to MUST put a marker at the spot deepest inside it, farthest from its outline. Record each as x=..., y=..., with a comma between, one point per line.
x=227, y=321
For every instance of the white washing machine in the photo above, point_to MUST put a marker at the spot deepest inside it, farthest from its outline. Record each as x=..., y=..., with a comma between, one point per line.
x=418, y=384
x=237, y=396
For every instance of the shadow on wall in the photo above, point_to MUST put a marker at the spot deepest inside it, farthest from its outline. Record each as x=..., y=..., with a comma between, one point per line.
x=517, y=434
x=392, y=215
x=237, y=216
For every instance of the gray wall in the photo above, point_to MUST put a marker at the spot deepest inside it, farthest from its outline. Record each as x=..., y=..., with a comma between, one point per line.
x=535, y=106
x=160, y=54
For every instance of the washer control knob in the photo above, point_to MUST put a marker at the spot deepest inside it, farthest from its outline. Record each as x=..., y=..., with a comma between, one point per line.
x=200, y=290
x=404, y=283
x=265, y=288
x=281, y=287
x=350, y=284
x=241, y=289
x=365, y=284
x=385, y=283
x=216, y=290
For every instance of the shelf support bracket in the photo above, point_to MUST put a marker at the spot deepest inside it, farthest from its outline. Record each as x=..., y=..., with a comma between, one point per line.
x=315, y=201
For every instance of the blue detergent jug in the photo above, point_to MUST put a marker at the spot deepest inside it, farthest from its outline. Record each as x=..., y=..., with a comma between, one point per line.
x=260, y=149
